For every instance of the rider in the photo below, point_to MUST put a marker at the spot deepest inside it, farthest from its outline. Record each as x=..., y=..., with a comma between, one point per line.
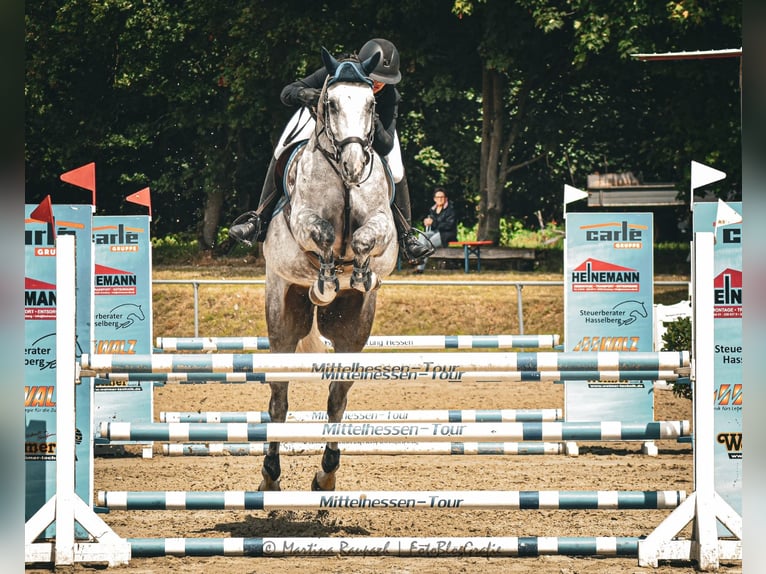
x=252, y=226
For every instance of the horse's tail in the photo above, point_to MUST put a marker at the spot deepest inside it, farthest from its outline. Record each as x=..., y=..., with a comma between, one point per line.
x=313, y=342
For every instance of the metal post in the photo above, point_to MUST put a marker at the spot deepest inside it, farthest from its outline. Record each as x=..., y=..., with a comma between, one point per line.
x=196, y=308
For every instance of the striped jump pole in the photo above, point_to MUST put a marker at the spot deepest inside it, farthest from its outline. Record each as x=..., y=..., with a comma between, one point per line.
x=385, y=500
x=388, y=432
x=401, y=342
x=433, y=415
x=367, y=448
x=431, y=547
x=342, y=364
x=438, y=375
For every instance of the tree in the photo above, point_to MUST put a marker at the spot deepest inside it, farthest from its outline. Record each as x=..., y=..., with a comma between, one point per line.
x=502, y=101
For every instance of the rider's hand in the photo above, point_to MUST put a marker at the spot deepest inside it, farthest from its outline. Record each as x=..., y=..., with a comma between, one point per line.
x=308, y=96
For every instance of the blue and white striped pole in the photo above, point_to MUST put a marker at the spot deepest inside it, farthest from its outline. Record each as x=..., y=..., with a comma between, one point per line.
x=341, y=365
x=401, y=342
x=429, y=415
x=448, y=376
x=386, y=500
x=394, y=432
x=368, y=448
x=432, y=547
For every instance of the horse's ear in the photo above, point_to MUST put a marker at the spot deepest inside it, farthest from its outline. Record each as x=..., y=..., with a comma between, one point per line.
x=369, y=64
x=330, y=63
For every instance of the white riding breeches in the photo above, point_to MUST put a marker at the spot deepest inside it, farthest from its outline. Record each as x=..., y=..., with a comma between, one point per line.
x=301, y=125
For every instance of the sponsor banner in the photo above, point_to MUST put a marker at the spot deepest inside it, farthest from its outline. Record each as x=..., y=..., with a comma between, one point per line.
x=122, y=311
x=608, y=305
x=727, y=325
x=40, y=359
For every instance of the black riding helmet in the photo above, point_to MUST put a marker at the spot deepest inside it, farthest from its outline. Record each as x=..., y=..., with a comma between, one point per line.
x=387, y=70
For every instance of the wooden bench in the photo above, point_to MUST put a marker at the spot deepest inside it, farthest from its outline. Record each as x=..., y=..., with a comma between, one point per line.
x=481, y=250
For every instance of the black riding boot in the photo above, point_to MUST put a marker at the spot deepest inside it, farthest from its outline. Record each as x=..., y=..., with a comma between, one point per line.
x=252, y=225
x=411, y=249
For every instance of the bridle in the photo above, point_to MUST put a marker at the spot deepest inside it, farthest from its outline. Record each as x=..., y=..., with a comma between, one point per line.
x=336, y=146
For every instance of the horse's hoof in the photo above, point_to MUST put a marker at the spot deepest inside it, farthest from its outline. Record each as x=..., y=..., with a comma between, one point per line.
x=329, y=484
x=321, y=298
x=270, y=485
x=368, y=283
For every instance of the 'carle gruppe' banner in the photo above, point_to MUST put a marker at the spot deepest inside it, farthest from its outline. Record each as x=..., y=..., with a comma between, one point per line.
x=727, y=325
x=123, y=311
x=40, y=305
x=608, y=297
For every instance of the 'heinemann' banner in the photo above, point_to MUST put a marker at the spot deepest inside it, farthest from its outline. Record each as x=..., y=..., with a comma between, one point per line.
x=40, y=305
x=727, y=325
x=608, y=297
x=123, y=311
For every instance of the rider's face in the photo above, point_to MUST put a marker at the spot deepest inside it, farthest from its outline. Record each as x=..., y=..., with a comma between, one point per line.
x=377, y=86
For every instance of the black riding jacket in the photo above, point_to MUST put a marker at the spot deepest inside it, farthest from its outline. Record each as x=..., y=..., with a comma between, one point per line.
x=386, y=107
x=445, y=223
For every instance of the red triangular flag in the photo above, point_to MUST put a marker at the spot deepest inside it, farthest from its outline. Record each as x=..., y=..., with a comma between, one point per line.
x=84, y=176
x=141, y=197
x=44, y=212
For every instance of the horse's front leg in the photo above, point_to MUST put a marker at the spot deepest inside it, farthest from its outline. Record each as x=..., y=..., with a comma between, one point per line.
x=326, y=287
x=317, y=235
x=369, y=240
x=336, y=406
x=271, y=469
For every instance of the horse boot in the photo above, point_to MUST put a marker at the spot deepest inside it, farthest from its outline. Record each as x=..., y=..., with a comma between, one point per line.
x=411, y=249
x=252, y=225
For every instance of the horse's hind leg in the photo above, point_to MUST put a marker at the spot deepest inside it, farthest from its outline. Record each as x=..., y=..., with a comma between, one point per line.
x=347, y=323
x=289, y=317
x=271, y=469
x=336, y=405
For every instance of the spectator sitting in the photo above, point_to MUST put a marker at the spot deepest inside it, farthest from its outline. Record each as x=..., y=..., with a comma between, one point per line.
x=441, y=226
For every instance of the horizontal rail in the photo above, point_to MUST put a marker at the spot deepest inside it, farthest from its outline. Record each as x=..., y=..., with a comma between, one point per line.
x=432, y=547
x=482, y=377
x=428, y=415
x=345, y=365
x=394, y=432
x=400, y=342
x=368, y=448
x=384, y=500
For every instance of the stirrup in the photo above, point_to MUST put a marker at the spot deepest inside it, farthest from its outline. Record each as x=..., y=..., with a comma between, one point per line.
x=246, y=228
x=412, y=249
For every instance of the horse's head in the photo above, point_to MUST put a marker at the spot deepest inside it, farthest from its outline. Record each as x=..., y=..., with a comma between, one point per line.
x=346, y=113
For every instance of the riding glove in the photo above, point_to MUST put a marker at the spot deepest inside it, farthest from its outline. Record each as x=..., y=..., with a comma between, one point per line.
x=308, y=96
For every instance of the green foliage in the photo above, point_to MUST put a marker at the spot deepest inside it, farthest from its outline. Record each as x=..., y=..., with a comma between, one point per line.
x=678, y=337
x=174, y=248
x=513, y=233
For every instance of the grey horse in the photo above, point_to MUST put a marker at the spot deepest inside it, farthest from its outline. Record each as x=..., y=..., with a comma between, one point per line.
x=329, y=246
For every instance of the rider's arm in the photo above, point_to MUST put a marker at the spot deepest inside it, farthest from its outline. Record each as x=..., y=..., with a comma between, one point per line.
x=290, y=93
x=386, y=109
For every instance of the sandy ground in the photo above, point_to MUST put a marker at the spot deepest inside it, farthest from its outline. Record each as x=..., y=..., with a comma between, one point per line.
x=600, y=466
